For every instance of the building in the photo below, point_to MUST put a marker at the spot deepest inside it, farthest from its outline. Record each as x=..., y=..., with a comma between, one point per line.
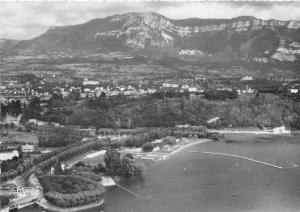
x=247, y=78
x=8, y=154
x=170, y=85
x=183, y=126
x=37, y=122
x=185, y=86
x=28, y=148
x=213, y=120
x=90, y=82
x=281, y=130
x=192, y=89
x=293, y=90
x=32, y=121
x=195, y=96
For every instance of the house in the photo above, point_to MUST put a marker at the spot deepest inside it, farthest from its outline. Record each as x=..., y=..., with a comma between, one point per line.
x=185, y=86
x=32, y=121
x=90, y=82
x=42, y=123
x=55, y=124
x=183, y=126
x=192, y=89
x=169, y=85
x=194, y=96
x=247, y=78
x=280, y=130
x=213, y=120
x=37, y=122
x=28, y=148
x=293, y=90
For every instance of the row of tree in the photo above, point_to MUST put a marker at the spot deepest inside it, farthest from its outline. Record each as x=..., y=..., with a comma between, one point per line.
x=110, y=131
x=70, y=153
x=45, y=160
x=139, y=140
x=49, y=136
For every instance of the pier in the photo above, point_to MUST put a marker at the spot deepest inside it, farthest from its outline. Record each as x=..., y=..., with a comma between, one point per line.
x=293, y=165
x=130, y=192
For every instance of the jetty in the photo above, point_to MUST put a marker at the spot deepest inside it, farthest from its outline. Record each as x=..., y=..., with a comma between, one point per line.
x=249, y=159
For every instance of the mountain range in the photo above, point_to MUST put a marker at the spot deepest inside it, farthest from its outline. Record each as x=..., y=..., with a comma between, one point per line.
x=153, y=35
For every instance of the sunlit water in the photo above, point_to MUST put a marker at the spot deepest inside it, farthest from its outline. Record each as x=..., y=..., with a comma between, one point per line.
x=201, y=182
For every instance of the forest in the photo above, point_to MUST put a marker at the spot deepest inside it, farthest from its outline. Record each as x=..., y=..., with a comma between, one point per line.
x=71, y=191
x=49, y=136
x=166, y=109
x=257, y=110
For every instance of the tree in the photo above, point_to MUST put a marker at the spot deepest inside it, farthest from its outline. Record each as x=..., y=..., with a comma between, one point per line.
x=99, y=168
x=113, y=162
x=34, y=102
x=148, y=147
x=57, y=168
x=130, y=168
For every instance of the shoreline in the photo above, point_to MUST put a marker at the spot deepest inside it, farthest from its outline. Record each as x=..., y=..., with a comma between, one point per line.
x=165, y=152
x=184, y=147
x=247, y=130
x=43, y=203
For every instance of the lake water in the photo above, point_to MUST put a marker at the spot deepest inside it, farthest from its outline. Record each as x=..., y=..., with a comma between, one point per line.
x=190, y=182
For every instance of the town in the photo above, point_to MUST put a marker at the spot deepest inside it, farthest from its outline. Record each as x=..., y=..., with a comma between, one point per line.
x=102, y=109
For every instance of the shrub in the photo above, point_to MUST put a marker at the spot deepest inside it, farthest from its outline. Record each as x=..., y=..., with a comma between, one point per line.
x=148, y=147
x=169, y=141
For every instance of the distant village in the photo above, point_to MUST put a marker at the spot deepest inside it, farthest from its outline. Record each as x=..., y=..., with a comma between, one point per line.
x=14, y=89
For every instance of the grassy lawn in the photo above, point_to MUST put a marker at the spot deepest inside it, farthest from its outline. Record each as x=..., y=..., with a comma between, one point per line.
x=22, y=137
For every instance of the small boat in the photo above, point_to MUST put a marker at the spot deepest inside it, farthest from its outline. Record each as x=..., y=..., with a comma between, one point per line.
x=234, y=195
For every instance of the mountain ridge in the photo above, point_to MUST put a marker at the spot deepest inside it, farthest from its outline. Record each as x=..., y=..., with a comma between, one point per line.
x=244, y=37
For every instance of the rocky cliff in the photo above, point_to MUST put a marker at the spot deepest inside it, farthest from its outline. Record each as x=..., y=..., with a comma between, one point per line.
x=155, y=35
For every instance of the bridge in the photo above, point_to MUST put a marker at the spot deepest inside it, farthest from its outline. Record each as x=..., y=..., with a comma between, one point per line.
x=24, y=196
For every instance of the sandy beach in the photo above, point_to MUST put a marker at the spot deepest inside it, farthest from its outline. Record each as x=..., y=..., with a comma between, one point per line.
x=164, y=152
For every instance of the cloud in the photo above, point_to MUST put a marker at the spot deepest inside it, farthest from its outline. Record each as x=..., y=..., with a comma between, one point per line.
x=25, y=20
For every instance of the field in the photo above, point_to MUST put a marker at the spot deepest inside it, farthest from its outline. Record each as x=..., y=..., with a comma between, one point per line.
x=22, y=137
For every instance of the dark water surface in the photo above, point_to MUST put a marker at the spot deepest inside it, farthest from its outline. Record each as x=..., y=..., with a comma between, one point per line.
x=190, y=182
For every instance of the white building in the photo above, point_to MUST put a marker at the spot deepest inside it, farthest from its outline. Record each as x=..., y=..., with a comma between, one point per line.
x=32, y=121
x=293, y=90
x=90, y=82
x=193, y=89
x=182, y=126
x=185, y=86
x=169, y=85
x=8, y=154
x=28, y=148
x=281, y=130
x=247, y=78
x=213, y=120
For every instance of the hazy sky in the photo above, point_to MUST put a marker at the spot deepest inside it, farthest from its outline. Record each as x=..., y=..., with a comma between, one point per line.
x=25, y=20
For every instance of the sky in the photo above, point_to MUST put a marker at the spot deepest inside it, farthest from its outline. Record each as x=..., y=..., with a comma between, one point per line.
x=26, y=20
